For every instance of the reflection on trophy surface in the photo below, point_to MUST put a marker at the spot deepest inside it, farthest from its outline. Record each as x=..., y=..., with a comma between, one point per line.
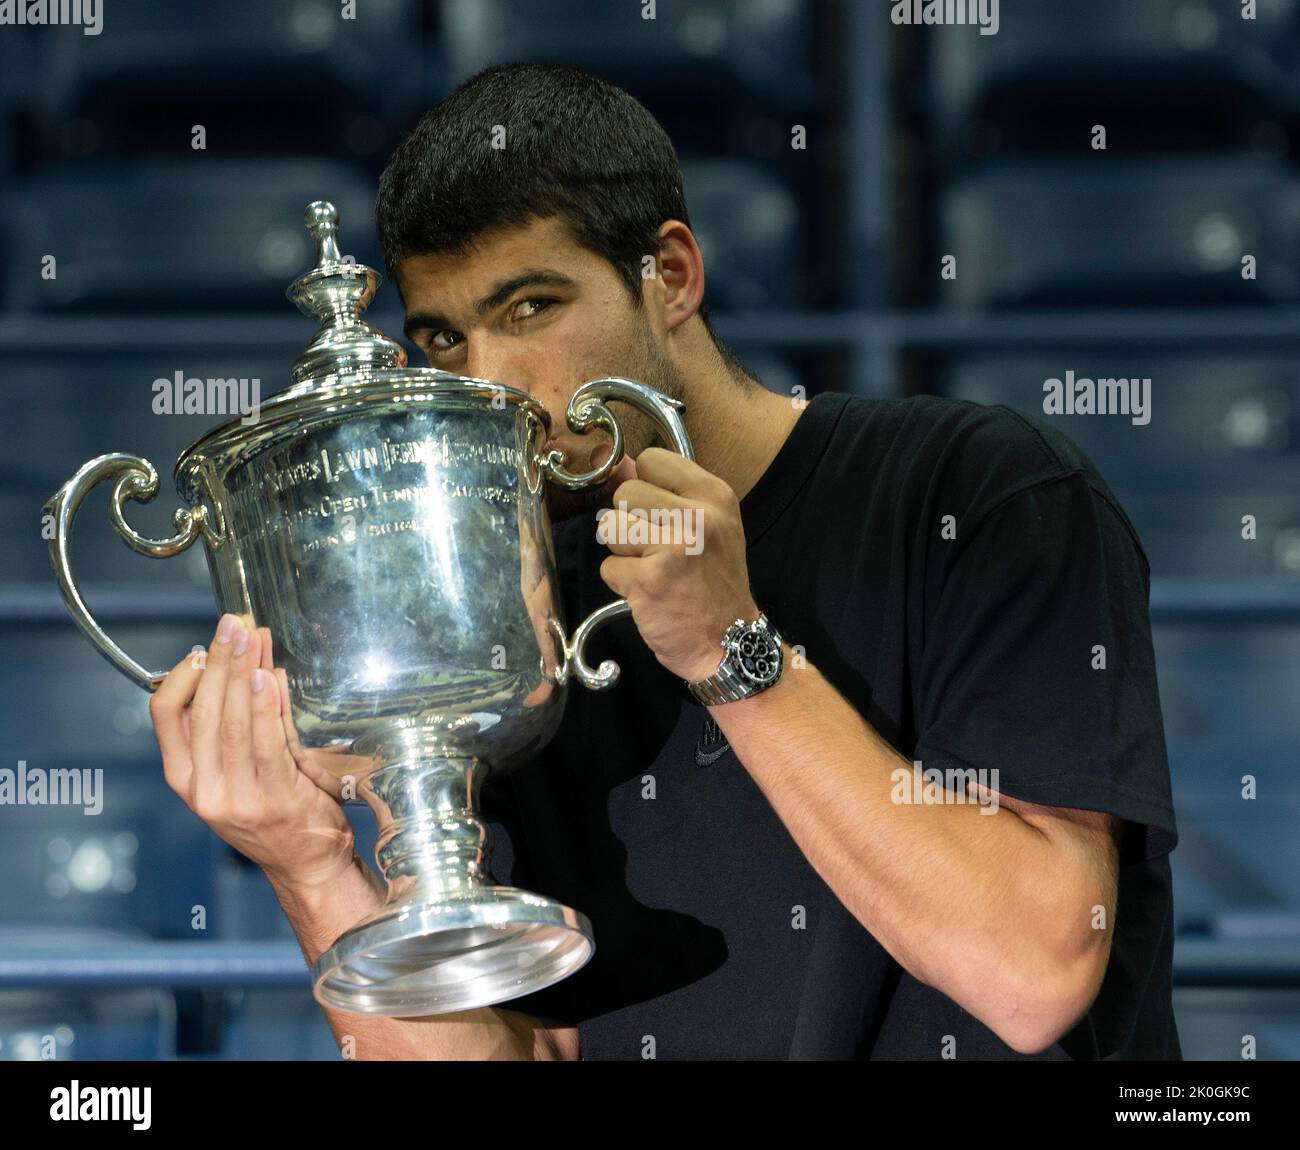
x=389, y=525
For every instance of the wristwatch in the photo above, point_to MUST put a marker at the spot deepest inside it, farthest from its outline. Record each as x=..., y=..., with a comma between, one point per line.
x=752, y=662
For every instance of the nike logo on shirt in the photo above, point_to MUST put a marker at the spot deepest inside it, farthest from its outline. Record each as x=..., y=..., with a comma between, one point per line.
x=712, y=744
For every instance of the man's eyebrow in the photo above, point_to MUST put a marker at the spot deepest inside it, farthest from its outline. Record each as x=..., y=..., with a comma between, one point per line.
x=422, y=321
x=540, y=277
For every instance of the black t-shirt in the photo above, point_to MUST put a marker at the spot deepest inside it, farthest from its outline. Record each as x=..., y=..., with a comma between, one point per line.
x=974, y=650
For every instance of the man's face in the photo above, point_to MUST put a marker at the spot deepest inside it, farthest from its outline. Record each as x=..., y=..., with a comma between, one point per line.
x=531, y=309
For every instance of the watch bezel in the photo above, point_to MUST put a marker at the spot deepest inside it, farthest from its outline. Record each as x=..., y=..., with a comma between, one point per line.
x=773, y=642
x=731, y=682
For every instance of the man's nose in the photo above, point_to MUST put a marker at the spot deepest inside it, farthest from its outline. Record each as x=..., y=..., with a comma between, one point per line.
x=488, y=359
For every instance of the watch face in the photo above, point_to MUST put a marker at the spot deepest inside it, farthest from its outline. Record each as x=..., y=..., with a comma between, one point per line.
x=758, y=656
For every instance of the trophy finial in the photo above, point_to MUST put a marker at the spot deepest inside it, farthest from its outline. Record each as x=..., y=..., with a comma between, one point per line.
x=335, y=292
x=322, y=220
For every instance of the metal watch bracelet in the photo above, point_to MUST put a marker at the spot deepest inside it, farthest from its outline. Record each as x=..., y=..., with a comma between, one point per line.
x=728, y=683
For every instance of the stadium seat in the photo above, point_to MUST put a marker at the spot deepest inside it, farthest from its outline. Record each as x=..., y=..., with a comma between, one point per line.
x=1214, y=1022
x=1199, y=536
x=143, y=861
x=748, y=228
x=1160, y=74
x=196, y=233
x=1160, y=231
x=689, y=52
x=1234, y=854
x=114, y=397
x=254, y=75
x=1230, y=701
x=81, y=1025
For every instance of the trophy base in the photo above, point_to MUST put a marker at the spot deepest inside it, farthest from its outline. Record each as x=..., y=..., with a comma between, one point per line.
x=460, y=953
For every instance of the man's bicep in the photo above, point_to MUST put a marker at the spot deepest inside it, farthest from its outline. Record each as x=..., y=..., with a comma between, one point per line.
x=1038, y=668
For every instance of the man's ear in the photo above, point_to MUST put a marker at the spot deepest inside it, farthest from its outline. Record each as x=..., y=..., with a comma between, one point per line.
x=680, y=272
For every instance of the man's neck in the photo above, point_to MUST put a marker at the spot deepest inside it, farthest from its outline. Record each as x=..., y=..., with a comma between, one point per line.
x=737, y=433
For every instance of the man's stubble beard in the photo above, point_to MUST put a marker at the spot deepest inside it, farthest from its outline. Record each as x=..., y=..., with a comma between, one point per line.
x=649, y=365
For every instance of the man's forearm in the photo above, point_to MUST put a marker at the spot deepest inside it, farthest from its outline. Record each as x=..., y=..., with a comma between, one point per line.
x=977, y=907
x=319, y=915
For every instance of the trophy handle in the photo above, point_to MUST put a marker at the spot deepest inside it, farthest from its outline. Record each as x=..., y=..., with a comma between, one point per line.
x=136, y=479
x=586, y=410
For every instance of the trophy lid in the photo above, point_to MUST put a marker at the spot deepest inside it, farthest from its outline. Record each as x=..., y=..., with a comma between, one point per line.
x=336, y=291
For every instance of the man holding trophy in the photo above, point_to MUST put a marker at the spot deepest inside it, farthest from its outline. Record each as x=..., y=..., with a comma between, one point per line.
x=883, y=591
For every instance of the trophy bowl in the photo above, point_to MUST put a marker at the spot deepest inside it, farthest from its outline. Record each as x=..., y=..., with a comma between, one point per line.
x=388, y=525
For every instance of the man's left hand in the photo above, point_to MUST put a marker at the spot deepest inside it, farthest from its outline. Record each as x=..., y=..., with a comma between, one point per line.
x=682, y=567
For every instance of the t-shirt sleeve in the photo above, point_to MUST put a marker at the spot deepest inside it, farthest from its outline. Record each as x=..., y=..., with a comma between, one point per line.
x=1037, y=660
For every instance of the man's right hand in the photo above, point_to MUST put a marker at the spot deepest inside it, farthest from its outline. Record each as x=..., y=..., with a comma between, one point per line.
x=230, y=750
x=232, y=753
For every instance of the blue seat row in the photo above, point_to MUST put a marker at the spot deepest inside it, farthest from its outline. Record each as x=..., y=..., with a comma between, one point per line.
x=1161, y=230
x=224, y=235
x=1160, y=74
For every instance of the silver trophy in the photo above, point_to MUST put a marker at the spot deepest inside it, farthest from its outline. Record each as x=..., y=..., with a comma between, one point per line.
x=389, y=525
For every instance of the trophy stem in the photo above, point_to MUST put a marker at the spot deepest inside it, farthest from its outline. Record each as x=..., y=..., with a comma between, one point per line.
x=447, y=938
x=431, y=842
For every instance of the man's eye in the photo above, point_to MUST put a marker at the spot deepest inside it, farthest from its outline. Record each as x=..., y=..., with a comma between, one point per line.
x=544, y=301
x=438, y=342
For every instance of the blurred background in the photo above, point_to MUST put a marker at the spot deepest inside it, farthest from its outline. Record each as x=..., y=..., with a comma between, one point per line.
x=823, y=267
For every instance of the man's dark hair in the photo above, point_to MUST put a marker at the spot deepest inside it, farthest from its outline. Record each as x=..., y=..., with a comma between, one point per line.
x=576, y=147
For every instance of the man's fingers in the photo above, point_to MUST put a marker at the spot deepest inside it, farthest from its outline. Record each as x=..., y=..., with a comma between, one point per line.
x=167, y=709
x=209, y=703
x=638, y=495
x=329, y=781
x=634, y=531
x=236, y=729
x=282, y=689
x=286, y=715
x=270, y=707
x=675, y=473
x=271, y=758
x=627, y=532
